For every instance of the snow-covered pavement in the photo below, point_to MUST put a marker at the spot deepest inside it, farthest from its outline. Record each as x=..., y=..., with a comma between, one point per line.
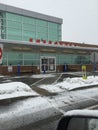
x=71, y=83
x=43, y=112
x=20, y=89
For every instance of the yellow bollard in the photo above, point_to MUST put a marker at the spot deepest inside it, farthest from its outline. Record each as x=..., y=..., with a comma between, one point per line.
x=84, y=75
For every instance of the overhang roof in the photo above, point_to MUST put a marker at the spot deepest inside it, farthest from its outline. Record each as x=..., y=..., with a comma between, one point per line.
x=32, y=45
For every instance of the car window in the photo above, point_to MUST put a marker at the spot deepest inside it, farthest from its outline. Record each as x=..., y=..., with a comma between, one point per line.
x=78, y=124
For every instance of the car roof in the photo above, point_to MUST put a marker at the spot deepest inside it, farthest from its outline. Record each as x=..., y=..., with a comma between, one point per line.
x=85, y=112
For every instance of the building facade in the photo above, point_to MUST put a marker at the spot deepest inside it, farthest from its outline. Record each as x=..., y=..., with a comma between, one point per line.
x=32, y=42
x=19, y=24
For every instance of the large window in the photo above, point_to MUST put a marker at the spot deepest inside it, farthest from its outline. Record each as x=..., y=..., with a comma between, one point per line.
x=73, y=59
x=20, y=58
x=17, y=27
x=26, y=58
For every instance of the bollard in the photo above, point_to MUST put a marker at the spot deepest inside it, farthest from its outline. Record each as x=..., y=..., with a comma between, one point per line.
x=84, y=75
x=44, y=69
x=18, y=70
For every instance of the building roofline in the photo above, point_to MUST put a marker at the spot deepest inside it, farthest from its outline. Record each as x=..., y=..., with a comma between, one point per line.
x=28, y=13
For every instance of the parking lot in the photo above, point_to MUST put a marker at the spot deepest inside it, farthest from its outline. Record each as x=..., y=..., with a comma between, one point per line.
x=43, y=111
x=35, y=80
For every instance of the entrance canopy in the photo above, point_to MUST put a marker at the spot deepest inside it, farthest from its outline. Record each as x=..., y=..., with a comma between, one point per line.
x=43, y=46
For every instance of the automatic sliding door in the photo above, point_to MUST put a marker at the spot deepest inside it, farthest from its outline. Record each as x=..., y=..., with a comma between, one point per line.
x=51, y=64
x=48, y=64
x=44, y=64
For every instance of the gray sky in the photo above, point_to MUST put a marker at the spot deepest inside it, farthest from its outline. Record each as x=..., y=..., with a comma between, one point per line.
x=80, y=17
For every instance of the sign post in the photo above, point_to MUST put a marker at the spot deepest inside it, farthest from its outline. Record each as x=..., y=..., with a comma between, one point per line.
x=84, y=75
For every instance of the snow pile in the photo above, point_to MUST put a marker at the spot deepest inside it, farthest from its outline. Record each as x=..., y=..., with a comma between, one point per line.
x=71, y=83
x=42, y=76
x=15, y=89
x=1, y=76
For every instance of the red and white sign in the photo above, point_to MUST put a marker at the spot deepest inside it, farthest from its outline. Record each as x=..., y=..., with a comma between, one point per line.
x=1, y=53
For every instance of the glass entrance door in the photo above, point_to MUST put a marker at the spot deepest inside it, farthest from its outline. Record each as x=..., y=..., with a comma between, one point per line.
x=44, y=64
x=48, y=64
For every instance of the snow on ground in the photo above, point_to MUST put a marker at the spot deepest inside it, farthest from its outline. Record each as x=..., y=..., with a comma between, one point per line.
x=19, y=89
x=71, y=83
x=15, y=89
x=43, y=76
x=1, y=76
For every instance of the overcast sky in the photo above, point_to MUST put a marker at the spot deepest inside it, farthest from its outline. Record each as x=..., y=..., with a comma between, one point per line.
x=80, y=17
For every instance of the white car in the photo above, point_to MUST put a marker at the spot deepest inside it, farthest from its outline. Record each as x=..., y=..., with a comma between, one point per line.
x=79, y=120
x=21, y=108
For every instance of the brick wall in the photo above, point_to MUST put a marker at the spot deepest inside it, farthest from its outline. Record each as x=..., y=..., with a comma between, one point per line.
x=36, y=70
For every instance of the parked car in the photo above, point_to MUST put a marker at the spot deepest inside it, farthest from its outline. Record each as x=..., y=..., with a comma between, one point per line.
x=79, y=120
x=21, y=108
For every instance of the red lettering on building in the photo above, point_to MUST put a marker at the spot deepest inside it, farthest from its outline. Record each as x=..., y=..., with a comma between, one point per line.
x=37, y=40
x=44, y=41
x=55, y=43
x=30, y=40
x=61, y=43
x=50, y=42
x=66, y=44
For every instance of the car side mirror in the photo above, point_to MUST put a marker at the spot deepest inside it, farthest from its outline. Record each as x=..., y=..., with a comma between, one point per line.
x=79, y=120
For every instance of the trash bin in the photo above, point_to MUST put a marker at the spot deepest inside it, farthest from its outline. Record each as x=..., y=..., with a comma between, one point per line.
x=65, y=68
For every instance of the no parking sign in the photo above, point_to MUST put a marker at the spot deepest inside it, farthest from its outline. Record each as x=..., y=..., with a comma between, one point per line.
x=1, y=53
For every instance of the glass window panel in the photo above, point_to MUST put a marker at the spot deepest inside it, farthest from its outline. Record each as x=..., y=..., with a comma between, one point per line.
x=28, y=33
x=28, y=27
x=4, y=62
x=41, y=23
x=12, y=55
x=52, y=25
x=25, y=38
x=4, y=59
x=15, y=55
x=27, y=62
x=14, y=31
x=15, y=62
x=49, y=54
x=32, y=62
x=53, y=38
x=42, y=35
x=15, y=58
x=13, y=17
x=82, y=59
x=14, y=24
x=31, y=56
x=59, y=26
x=14, y=37
x=52, y=31
x=41, y=29
x=66, y=59
x=28, y=20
